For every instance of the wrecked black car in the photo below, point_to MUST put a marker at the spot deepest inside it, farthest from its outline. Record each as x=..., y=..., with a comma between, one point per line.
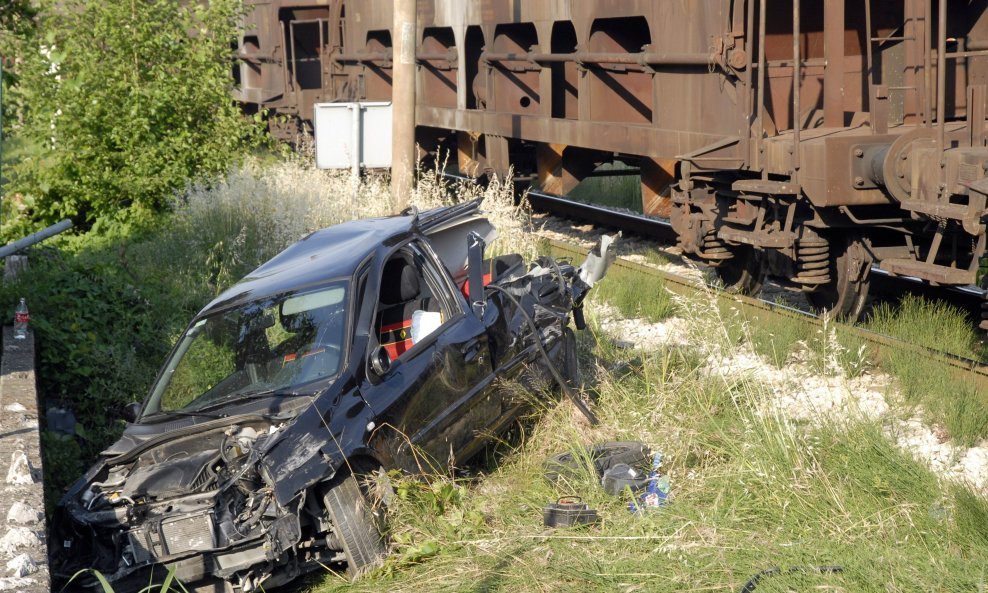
x=372, y=344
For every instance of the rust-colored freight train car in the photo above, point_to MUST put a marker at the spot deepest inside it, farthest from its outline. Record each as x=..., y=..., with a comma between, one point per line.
x=806, y=140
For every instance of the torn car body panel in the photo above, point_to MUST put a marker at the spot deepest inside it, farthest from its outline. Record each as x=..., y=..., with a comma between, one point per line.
x=356, y=345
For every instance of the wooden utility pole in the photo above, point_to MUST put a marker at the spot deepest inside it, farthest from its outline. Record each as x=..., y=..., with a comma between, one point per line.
x=403, y=103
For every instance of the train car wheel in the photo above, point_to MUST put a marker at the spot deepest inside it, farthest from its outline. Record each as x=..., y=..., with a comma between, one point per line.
x=744, y=273
x=850, y=277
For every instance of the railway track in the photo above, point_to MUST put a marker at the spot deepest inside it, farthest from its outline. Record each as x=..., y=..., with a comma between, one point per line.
x=963, y=368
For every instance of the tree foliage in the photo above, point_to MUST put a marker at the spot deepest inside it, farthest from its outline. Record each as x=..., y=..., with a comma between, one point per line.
x=16, y=17
x=124, y=102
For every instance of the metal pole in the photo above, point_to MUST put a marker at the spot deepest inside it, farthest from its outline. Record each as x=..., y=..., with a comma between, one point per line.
x=834, y=25
x=796, y=57
x=871, y=63
x=639, y=58
x=403, y=104
x=284, y=65
x=355, y=141
x=749, y=94
x=927, y=67
x=22, y=244
x=761, y=88
x=941, y=75
x=295, y=81
x=322, y=51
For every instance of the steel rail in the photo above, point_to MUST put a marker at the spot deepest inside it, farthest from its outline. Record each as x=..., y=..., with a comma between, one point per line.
x=961, y=367
x=639, y=224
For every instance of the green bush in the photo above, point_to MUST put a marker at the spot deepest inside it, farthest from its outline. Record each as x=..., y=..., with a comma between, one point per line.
x=102, y=330
x=124, y=103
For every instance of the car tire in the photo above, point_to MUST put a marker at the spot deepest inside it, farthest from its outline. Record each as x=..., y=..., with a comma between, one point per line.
x=603, y=456
x=355, y=524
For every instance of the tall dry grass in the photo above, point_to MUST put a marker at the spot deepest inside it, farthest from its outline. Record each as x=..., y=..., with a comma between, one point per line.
x=227, y=228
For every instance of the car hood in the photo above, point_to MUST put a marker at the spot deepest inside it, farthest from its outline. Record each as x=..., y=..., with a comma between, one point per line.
x=275, y=409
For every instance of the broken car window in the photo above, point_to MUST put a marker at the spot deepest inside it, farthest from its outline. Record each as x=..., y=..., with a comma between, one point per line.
x=411, y=306
x=262, y=347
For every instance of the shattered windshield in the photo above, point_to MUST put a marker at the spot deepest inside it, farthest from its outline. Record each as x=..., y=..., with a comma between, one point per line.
x=263, y=347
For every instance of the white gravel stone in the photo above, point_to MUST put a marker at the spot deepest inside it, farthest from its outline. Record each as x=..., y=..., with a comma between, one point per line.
x=16, y=583
x=19, y=473
x=23, y=514
x=22, y=565
x=15, y=407
x=973, y=466
x=18, y=537
x=797, y=392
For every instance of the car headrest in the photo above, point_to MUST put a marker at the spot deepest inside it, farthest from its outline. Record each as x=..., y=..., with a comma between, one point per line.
x=400, y=283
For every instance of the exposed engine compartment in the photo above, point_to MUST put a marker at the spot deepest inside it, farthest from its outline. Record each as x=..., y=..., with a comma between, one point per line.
x=188, y=496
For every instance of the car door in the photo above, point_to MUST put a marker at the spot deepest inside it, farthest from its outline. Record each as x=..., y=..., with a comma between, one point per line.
x=429, y=405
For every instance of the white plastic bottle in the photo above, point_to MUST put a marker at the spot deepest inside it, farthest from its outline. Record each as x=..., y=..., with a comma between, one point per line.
x=21, y=317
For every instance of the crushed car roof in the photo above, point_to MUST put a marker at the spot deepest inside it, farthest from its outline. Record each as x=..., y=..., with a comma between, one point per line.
x=332, y=252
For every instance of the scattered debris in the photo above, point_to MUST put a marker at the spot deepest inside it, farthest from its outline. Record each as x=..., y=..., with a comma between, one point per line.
x=568, y=512
x=621, y=477
x=656, y=489
x=602, y=456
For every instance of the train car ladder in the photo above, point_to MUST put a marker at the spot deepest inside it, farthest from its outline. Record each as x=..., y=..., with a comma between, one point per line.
x=878, y=95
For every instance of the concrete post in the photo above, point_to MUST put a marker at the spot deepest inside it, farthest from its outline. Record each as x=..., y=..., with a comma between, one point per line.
x=403, y=102
x=14, y=266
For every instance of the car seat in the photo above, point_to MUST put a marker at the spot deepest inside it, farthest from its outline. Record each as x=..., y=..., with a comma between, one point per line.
x=401, y=296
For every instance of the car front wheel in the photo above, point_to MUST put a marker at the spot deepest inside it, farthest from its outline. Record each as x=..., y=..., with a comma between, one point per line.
x=356, y=524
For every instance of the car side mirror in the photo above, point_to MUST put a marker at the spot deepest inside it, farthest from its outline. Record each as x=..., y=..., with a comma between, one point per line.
x=131, y=411
x=380, y=362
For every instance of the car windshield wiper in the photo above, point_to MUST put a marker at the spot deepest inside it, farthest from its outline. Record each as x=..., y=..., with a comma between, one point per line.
x=184, y=413
x=240, y=397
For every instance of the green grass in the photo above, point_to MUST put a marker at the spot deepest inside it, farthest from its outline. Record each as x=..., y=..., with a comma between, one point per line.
x=636, y=295
x=619, y=191
x=776, y=338
x=946, y=398
x=751, y=491
x=653, y=256
x=930, y=323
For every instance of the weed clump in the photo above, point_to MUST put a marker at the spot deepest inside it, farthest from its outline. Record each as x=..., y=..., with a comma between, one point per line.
x=945, y=398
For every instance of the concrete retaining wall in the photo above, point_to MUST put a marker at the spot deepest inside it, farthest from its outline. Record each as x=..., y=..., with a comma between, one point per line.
x=23, y=548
